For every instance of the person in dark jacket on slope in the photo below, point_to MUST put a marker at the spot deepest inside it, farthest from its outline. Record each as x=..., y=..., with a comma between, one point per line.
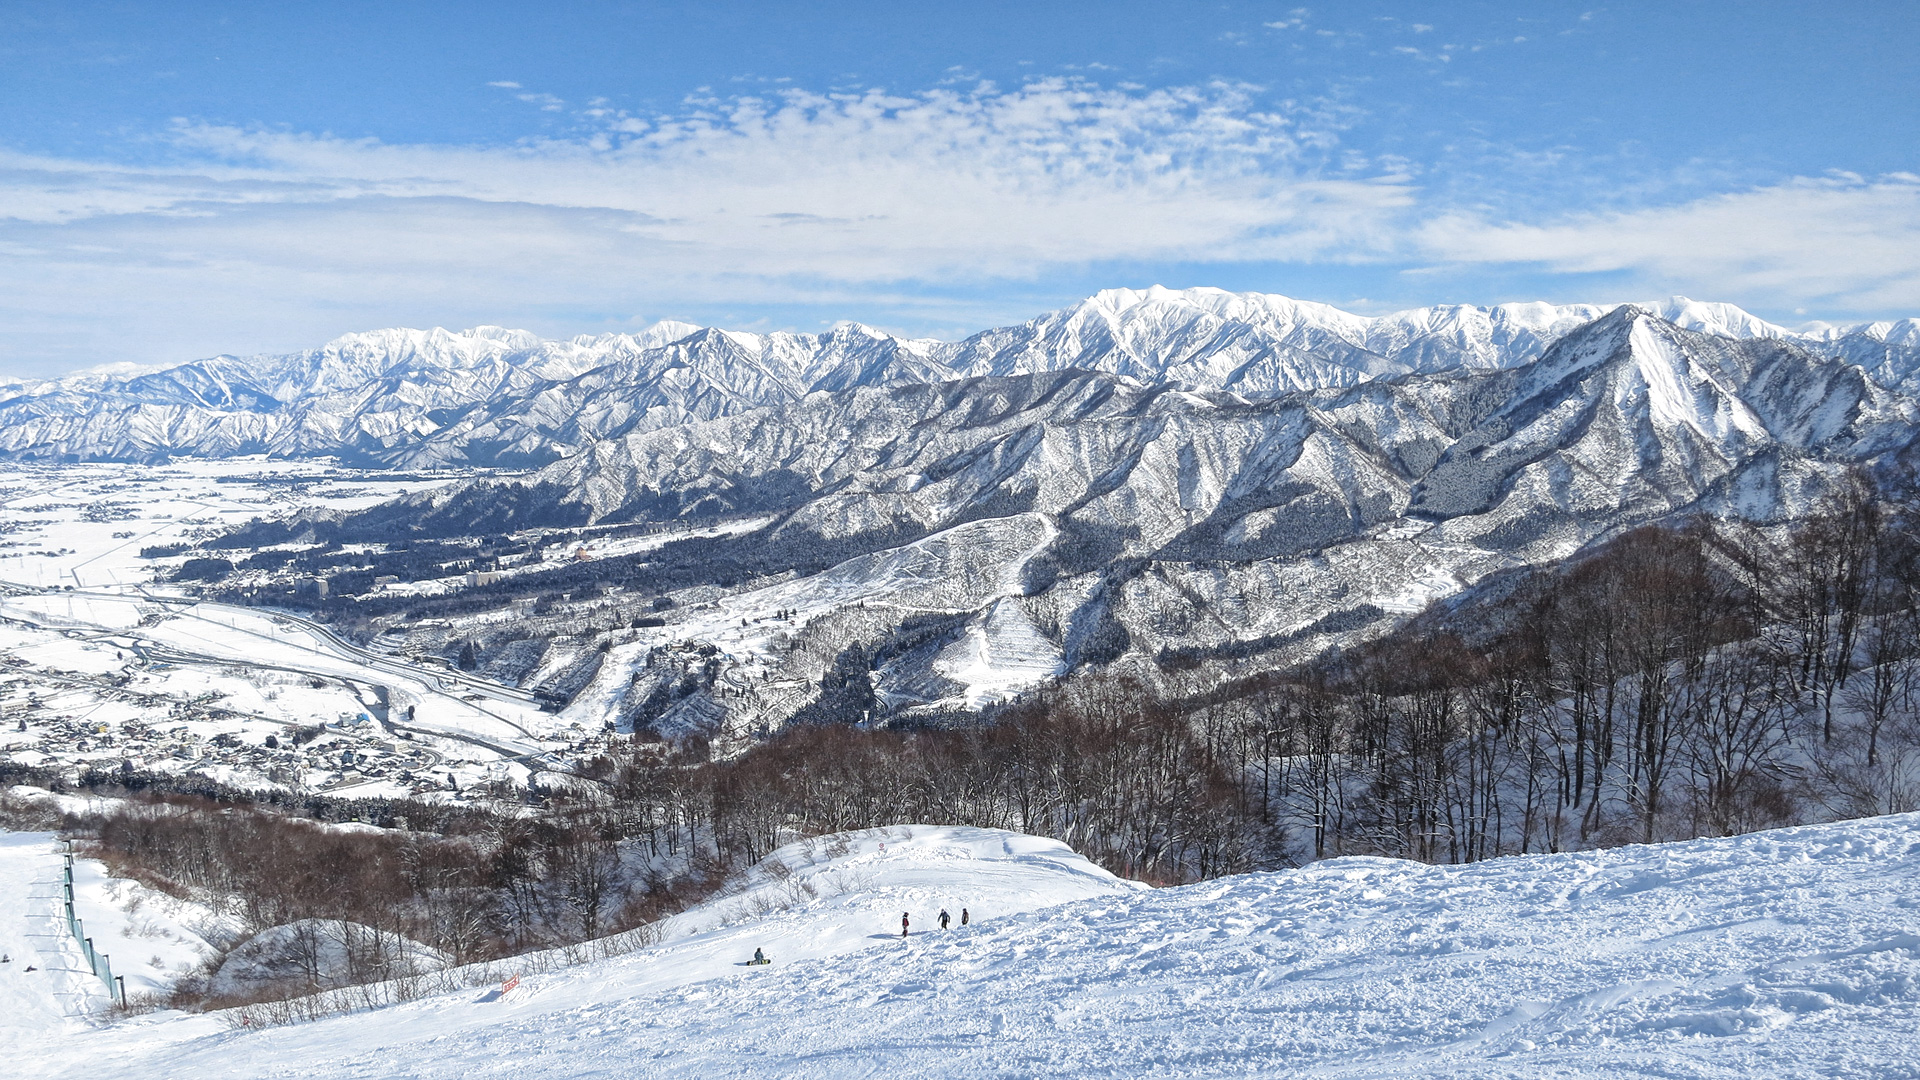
x=903, y=924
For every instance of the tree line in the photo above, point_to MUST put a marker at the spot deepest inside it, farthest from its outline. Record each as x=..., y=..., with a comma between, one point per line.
x=1700, y=680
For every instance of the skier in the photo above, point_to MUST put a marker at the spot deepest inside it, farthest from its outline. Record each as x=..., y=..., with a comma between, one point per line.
x=943, y=918
x=903, y=924
x=963, y=916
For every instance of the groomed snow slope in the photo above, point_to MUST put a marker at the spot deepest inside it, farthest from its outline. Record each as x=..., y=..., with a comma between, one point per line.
x=810, y=900
x=1784, y=954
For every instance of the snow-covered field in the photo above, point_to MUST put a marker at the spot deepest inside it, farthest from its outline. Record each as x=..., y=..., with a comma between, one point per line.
x=102, y=664
x=84, y=524
x=1784, y=954
x=151, y=938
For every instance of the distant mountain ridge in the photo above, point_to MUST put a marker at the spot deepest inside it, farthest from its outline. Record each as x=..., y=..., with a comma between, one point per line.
x=1046, y=521
x=491, y=396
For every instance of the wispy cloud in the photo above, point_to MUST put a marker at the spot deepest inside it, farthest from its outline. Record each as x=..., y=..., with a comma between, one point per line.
x=1840, y=242
x=985, y=182
x=728, y=197
x=258, y=237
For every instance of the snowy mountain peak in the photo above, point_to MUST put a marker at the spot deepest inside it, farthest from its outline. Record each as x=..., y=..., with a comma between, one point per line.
x=434, y=339
x=1158, y=303
x=1417, y=339
x=855, y=330
x=664, y=332
x=1721, y=320
x=409, y=395
x=1662, y=373
x=1682, y=390
x=1903, y=332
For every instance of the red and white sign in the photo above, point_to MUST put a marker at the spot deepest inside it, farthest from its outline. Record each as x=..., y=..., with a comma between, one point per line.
x=509, y=986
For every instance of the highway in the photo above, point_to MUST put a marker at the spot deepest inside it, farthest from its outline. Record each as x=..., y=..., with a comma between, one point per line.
x=446, y=681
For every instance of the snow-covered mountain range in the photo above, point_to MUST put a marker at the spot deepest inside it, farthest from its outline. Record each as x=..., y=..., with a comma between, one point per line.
x=1233, y=480
x=991, y=532
x=490, y=396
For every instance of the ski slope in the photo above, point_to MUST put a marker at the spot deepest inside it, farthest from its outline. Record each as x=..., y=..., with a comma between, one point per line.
x=1784, y=954
x=37, y=1005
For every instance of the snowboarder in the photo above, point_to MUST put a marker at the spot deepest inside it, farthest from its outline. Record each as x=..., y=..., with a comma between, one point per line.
x=903, y=924
x=943, y=918
x=963, y=916
x=760, y=957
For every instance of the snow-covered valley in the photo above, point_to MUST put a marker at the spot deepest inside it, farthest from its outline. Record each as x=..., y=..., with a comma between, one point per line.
x=1793, y=953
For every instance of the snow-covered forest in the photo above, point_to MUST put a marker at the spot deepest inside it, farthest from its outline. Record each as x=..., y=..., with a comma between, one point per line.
x=1698, y=681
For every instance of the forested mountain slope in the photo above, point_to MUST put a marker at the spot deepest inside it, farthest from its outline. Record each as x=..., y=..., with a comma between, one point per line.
x=959, y=542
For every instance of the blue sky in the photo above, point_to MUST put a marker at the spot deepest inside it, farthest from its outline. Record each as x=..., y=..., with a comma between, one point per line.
x=183, y=179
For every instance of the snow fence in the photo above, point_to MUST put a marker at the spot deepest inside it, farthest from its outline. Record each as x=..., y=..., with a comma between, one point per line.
x=96, y=961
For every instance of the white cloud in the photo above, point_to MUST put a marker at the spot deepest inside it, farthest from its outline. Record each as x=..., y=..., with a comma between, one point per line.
x=1842, y=242
x=866, y=202
x=876, y=186
x=731, y=198
x=47, y=190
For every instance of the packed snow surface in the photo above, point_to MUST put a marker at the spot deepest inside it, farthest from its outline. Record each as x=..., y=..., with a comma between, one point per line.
x=1782, y=954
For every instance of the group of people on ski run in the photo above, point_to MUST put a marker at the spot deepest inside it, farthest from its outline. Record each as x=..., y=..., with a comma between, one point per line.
x=945, y=920
x=906, y=923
